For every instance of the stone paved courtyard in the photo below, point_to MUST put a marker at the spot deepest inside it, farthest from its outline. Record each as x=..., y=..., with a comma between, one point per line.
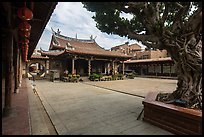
x=88, y=109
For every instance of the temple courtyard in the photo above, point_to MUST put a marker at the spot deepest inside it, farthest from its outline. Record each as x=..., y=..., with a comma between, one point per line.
x=101, y=107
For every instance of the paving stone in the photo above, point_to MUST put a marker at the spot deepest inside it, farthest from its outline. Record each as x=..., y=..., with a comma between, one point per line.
x=84, y=109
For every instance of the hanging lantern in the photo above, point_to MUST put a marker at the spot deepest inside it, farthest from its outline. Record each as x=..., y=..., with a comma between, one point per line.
x=24, y=34
x=24, y=26
x=25, y=51
x=25, y=46
x=24, y=41
x=25, y=13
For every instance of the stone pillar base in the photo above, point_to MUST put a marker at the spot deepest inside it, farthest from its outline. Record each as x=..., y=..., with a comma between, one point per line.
x=6, y=111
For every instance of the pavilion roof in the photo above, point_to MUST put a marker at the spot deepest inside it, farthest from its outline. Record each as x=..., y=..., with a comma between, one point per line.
x=81, y=46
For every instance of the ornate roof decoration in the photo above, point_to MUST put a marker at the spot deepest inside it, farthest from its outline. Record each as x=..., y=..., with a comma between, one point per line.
x=69, y=46
x=55, y=41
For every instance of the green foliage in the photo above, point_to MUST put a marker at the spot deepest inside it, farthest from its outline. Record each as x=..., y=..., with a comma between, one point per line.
x=148, y=17
x=131, y=75
x=100, y=77
x=120, y=76
x=73, y=77
x=95, y=76
x=77, y=75
x=70, y=75
x=114, y=77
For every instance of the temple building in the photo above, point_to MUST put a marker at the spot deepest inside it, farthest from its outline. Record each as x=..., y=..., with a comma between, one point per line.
x=82, y=56
x=152, y=67
x=152, y=62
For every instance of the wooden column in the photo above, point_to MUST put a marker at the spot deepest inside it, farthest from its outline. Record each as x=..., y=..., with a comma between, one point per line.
x=73, y=65
x=113, y=68
x=141, y=72
x=20, y=69
x=123, y=68
x=105, y=68
x=9, y=73
x=46, y=67
x=89, y=67
x=16, y=59
x=108, y=68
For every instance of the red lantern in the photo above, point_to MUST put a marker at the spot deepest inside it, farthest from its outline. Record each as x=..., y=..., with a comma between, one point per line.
x=24, y=26
x=24, y=34
x=25, y=46
x=25, y=51
x=25, y=13
x=24, y=41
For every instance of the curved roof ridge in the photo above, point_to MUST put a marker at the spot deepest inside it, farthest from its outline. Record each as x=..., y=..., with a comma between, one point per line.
x=75, y=39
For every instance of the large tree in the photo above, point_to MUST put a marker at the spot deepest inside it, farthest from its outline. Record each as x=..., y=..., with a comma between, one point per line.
x=174, y=26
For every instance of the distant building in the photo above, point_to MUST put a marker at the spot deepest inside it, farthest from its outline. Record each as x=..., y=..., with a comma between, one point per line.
x=150, y=54
x=127, y=49
x=136, y=52
x=152, y=67
x=148, y=61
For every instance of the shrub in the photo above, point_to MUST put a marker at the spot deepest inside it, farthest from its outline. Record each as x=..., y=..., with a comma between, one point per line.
x=95, y=76
x=131, y=75
x=120, y=76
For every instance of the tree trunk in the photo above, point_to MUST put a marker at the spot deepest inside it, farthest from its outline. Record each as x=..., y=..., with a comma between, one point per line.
x=189, y=71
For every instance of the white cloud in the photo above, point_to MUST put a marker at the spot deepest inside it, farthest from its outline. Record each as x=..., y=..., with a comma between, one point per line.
x=71, y=18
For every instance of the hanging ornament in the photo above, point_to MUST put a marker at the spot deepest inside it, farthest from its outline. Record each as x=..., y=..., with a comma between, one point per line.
x=24, y=34
x=24, y=41
x=25, y=13
x=25, y=51
x=24, y=26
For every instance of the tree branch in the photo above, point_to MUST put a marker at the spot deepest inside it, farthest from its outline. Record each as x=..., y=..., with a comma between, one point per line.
x=165, y=15
x=157, y=10
x=195, y=22
x=143, y=37
x=152, y=45
x=179, y=5
x=135, y=4
x=177, y=22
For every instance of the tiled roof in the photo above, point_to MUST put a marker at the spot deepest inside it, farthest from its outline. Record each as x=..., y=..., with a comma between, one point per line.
x=122, y=45
x=51, y=53
x=149, y=60
x=38, y=57
x=135, y=46
x=77, y=46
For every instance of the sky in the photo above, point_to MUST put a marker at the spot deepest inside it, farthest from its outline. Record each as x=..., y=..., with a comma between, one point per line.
x=74, y=20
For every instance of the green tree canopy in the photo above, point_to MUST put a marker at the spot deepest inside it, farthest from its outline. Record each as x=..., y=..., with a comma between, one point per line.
x=174, y=26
